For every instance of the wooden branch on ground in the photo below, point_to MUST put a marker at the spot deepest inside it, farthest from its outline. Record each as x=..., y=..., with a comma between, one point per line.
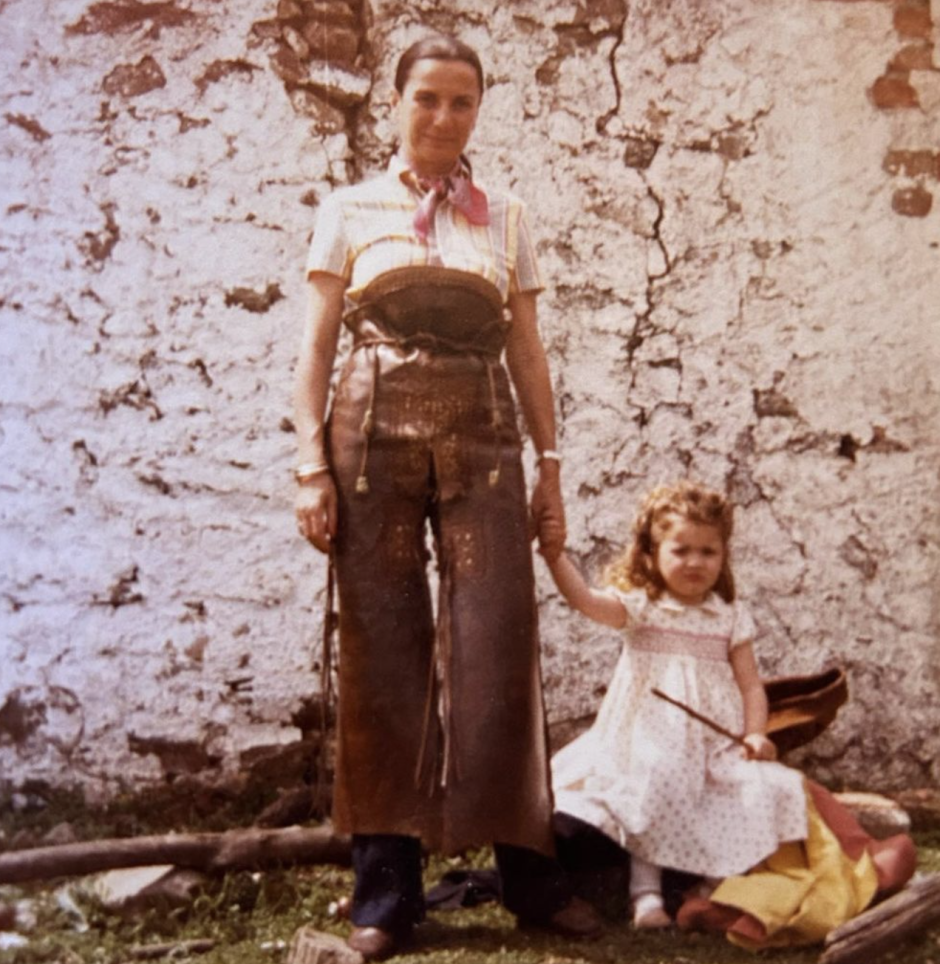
x=907, y=914
x=251, y=848
x=149, y=952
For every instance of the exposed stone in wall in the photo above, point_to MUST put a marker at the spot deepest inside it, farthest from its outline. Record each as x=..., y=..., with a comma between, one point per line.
x=739, y=242
x=912, y=74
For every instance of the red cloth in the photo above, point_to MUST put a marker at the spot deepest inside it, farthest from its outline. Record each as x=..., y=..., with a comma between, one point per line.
x=458, y=188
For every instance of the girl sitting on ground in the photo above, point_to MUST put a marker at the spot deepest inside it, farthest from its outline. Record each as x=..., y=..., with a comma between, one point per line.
x=669, y=789
x=676, y=793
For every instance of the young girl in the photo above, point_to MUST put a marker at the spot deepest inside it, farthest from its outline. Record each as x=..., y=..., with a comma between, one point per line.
x=669, y=789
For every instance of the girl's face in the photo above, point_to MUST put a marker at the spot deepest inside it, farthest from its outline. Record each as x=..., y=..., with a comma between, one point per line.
x=436, y=112
x=689, y=559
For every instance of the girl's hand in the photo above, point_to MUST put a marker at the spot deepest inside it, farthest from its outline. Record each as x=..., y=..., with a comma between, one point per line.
x=552, y=537
x=757, y=746
x=315, y=507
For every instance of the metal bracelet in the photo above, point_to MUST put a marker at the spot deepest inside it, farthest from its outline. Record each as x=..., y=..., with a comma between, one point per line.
x=310, y=470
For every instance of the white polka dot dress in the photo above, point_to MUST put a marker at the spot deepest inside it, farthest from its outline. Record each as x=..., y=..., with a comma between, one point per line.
x=659, y=782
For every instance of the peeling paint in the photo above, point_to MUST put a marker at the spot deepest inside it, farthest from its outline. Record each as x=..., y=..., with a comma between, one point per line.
x=115, y=18
x=133, y=80
x=254, y=301
x=29, y=124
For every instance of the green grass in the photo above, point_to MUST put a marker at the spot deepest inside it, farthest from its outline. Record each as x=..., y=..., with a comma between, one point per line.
x=252, y=917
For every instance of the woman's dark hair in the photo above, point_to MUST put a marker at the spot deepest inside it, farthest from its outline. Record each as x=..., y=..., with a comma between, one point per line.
x=437, y=47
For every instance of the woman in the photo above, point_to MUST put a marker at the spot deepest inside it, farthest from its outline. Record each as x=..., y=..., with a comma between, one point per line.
x=441, y=734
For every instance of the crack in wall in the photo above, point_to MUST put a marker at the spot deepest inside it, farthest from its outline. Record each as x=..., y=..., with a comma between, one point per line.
x=643, y=325
x=618, y=33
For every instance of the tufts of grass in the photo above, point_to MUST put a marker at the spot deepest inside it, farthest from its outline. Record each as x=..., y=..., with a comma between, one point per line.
x=252, y=916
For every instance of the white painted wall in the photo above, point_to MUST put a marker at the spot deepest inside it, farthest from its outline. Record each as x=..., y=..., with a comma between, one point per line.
x=731, y=293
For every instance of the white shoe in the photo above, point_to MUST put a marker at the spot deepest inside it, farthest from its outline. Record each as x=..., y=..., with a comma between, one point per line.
x=649, y=913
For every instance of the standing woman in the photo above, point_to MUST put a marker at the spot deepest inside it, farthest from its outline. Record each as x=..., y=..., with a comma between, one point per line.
x=441, y=731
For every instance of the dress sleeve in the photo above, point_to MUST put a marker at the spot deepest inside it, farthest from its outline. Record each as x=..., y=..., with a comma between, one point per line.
x=329, y=248
x=525, y=273
x=634, y=601
x=743, y=629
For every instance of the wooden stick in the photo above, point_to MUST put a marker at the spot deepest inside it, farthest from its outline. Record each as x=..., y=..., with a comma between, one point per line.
x=149, y=952
x=249, y=848
x=711, y=724
x=905, y=915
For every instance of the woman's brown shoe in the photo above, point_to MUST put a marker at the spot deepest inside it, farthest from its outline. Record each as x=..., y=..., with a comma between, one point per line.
x=577, y=919
x=373, y=943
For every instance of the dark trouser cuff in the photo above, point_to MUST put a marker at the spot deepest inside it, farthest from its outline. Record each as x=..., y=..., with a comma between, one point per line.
x=388, y=891
x=534, y=886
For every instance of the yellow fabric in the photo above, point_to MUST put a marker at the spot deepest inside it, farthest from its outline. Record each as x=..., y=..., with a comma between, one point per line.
x=803, y=890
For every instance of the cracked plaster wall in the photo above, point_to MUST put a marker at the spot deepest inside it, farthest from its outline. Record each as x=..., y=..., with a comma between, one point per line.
x=737, y=221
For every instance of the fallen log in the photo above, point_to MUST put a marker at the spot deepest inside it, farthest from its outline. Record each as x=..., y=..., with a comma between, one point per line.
x=905, y=915
x=251, y=848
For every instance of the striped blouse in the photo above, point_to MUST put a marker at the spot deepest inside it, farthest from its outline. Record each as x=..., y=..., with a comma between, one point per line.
x=365, y=230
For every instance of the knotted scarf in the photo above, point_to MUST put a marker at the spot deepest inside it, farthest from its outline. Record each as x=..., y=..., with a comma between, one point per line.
x=456, y=187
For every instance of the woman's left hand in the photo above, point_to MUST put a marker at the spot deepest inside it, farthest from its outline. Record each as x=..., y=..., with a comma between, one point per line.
x=548, y=511
x=757, y=746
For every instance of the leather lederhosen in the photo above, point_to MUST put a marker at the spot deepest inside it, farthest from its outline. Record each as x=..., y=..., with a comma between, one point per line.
x=441, y=731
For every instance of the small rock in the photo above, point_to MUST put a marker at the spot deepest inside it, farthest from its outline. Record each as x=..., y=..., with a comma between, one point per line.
x=116, y=888
x=61, y=833
x=311, y=946
x=178, y=888
x=9, y=942
x=135, y=888
x=24, y=840
x=329, y=119
x=25, y=915
x=346, y=88
x=922, y=805
x=340, y=909
x=878, y=815
x=296, y=42
x=65, y=901
x=266, y=29
x=337, y=44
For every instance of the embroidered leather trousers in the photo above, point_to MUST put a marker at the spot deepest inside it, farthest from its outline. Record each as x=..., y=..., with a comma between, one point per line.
x=441, y=731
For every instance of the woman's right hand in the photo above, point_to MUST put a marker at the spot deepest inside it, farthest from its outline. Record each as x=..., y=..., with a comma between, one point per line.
x=315, y=504
x=315, y=507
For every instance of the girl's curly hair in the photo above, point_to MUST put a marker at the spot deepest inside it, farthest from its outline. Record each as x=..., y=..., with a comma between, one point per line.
x=637, y=568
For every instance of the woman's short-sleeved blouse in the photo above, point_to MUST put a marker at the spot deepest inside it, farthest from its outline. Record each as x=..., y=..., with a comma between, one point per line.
x=367, y=229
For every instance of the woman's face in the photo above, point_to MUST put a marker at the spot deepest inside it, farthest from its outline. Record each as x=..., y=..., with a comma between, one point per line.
x=436, y=113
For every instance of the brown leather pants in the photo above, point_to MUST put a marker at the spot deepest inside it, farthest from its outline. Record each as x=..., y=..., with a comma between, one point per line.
x=441, y=731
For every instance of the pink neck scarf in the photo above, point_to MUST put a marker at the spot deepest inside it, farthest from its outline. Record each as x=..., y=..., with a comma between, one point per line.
x=456, y=187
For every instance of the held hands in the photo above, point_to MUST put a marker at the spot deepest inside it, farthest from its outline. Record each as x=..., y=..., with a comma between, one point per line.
x=548, y=511
x=757, y=746
x=315, y=508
